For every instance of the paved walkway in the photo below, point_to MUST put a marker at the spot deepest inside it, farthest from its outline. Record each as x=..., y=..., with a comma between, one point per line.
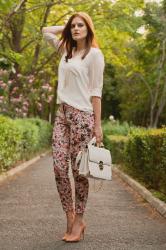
x=31, y=217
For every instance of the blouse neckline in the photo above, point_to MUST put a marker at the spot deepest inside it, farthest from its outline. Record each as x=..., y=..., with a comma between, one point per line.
x=78, y=55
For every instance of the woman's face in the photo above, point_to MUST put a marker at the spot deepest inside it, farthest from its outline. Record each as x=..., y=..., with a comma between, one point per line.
x=78, y=29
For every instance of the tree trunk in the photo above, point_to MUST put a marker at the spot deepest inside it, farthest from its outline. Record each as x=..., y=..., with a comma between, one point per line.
x=161, y=106
x=16, y=25
x=38, y=45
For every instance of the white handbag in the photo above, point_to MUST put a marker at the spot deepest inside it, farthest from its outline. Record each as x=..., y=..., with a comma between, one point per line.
x=95, y=162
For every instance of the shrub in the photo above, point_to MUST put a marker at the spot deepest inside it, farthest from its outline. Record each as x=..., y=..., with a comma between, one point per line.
x=10, y=138
x=141, y=153
x=45, y=129
x=21, y=139
x=145, y=157
x=29, y=137
x=116, y=144
x=115, y=138
x=116, y=128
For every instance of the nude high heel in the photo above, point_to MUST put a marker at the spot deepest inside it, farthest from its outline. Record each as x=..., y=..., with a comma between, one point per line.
x=67, y=234
x=77, y=238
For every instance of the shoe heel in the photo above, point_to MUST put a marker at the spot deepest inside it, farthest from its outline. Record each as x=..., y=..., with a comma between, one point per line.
x=83, y=233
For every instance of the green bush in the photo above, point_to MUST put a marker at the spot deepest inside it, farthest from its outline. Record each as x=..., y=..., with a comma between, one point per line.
x=145, y=157
x=45, y=131
x=29, y=137
x=10, y=138
x=36, y=134
x=140, y=152
x=20, y=139
x=115, y=138
x=116, y=144
x=116, y=128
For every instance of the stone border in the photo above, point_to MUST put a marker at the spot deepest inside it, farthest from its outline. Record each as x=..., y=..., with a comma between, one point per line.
x=159, y=205
x=22, y=166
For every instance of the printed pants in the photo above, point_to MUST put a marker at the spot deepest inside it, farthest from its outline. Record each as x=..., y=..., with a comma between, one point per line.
x=73, y=129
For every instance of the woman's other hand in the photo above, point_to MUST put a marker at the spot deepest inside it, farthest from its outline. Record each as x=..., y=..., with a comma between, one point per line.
x=98, y=133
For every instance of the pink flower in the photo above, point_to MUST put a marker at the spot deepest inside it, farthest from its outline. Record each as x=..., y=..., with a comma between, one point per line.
x=10, y=82
x=45, y=87
x=25, y=103
x=31, y=77
x=3, y=72
x=14, y=90
x=1, y=99
x=16, y=99
x=50, y=98
x=30, y=80
x=25, y=108
x=3, y=85
x=39, y=105
x=19, y=75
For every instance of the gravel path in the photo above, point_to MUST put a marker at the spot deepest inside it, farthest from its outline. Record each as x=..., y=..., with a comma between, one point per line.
x=31, y=216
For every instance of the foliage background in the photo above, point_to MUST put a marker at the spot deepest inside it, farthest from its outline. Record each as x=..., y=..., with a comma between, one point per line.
x=131, y=35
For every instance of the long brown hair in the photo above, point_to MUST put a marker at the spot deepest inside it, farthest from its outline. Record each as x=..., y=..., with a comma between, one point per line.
x=69, y=43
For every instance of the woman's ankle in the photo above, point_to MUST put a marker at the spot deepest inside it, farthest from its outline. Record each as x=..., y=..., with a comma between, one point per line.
x=69, y=214
x=78, y=218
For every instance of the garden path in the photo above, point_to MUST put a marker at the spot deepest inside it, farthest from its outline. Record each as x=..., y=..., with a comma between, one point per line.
x=31, y=216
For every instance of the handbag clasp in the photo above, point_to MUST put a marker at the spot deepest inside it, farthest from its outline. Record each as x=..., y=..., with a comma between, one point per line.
x=101, y=165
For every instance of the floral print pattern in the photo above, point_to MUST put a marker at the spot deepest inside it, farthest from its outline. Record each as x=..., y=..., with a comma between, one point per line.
x=73, y=129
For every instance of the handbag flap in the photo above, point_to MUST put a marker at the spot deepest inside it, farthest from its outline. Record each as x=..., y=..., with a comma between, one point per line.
x=97, y=154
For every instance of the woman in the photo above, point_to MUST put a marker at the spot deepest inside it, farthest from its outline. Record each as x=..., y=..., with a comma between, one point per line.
x=78, y=118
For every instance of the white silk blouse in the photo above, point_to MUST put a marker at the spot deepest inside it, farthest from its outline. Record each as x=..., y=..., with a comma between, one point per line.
x=78, y=80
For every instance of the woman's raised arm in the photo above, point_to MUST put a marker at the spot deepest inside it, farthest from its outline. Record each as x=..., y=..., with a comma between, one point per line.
x=50, y=35
x=53, y=29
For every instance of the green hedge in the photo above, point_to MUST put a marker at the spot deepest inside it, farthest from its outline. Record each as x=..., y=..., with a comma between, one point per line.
x=10, y=138
x=116, y=144
x=116, y=128
x=115, y=138
x=145, y=157
x=20, y=139
x=142, y=154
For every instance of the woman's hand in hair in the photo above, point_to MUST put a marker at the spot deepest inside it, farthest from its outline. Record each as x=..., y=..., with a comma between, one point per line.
x=53, y=29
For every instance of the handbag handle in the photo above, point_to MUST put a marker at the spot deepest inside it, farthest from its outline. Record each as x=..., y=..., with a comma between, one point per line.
x=93, y=142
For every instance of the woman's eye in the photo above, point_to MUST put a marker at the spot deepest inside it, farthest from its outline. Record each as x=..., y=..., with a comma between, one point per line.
x=79, y=25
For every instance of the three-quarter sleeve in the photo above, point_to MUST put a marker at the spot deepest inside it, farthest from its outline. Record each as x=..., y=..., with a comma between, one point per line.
x=51, y=39
x=96, y=73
